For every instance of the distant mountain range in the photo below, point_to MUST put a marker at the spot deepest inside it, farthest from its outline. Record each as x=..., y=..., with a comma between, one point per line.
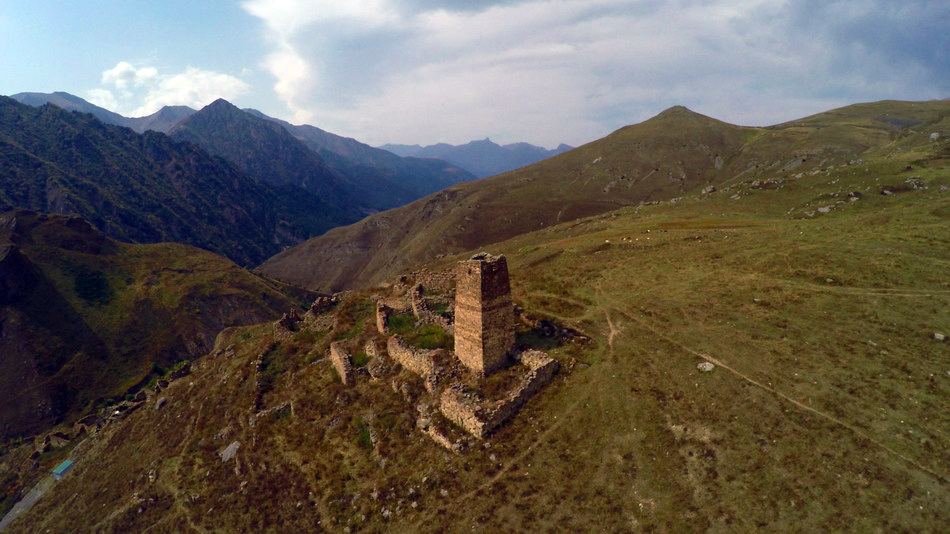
x=160, y=121
x=380, y=180
x=280, y=183
x=481, y=158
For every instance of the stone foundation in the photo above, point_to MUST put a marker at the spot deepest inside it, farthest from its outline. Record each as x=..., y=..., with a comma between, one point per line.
x=422, y=362
x=482, y=418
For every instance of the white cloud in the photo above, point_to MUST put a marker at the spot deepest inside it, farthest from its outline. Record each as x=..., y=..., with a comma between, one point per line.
x=102, y=98
x=573, y=70
x=143, y=90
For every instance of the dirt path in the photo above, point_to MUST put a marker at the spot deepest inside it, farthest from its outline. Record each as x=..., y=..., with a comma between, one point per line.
x=614, y=330
x=27, y=501
x=870, y=291
x=941, y=478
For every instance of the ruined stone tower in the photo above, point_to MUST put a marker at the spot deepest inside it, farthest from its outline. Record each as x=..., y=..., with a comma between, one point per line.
x=484, y=316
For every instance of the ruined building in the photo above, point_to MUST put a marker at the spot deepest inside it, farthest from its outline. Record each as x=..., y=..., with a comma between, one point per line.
x=484, y=316
x=453, y=400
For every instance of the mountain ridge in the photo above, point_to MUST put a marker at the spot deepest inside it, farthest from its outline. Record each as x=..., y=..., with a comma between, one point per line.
x=675, y=153
x=483, y=158
x=147, y=187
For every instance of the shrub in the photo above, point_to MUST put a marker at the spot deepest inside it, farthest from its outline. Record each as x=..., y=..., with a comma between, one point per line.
x=401, y=323
x=431, y=336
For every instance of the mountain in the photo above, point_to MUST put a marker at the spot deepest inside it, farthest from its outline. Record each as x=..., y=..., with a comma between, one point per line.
x=403, y=179
x=70, y=102
x=676, y=153
x=160, y=121
x=376, y=178
x=481, y=158
x=84, y=317
x=265, y=151
x=770, y=356
x=148, y=188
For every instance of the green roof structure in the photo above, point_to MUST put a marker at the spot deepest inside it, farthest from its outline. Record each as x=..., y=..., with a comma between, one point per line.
x=62, y=469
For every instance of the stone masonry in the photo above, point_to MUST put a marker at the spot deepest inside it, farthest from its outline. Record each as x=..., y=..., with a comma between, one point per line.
x=480, y=419
x=484, y=315
x=341, y=362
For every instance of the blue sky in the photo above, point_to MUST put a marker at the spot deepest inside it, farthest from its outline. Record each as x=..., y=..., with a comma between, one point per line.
x=426, y=71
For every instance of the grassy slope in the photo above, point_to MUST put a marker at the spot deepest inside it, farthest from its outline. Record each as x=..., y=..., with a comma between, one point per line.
x=825, y=411
x=103, y=312
x=668, y=156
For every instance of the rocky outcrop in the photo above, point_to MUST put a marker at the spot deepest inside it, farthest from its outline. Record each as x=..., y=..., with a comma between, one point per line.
x=286, y=325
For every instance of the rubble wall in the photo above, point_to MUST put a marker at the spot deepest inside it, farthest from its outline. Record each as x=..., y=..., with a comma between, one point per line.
x=341, y=362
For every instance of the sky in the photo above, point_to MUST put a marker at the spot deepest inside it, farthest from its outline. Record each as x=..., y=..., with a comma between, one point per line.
x=428, y=71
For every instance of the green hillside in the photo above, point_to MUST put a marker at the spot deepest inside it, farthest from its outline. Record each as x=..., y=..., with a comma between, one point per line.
x=815, y=289
x=85, y=318
x=675, y=154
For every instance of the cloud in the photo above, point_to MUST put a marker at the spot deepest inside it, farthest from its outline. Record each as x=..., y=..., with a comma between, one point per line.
x=137, y=91
x=547, y=71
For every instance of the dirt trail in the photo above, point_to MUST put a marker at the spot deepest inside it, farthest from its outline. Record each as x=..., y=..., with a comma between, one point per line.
x=941, y=478
x=613, y=330
x=871, y=291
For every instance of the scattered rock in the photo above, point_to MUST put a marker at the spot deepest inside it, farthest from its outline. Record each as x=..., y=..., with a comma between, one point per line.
x=709, y=189
x=321, y=304
x=705, y=367
x=940, y=337
x=825, y=209
x=230, y=451
x=160, y=403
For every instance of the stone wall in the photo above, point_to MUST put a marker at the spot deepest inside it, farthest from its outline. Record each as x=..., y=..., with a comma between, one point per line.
x=481, y=419
x=384, y=309
x=484, y=314
x=422, y=362
x=341, y=362
x=379, y=365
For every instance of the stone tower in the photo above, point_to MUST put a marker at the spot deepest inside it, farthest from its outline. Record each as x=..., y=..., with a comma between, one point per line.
x=484, y=316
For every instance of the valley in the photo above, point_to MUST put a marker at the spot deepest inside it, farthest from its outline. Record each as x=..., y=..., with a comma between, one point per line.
x=767, y=311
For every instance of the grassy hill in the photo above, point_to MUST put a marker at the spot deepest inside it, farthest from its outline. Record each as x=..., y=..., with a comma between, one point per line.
x=814, y=288
x=676, y=153
x=85, y=318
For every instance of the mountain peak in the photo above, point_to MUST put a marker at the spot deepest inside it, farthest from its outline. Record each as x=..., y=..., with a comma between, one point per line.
x=221, y=103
